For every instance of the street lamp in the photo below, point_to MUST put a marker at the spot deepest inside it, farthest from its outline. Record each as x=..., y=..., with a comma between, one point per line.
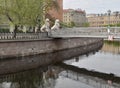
x=116, y=14
x=109, y=12
x=39, y=24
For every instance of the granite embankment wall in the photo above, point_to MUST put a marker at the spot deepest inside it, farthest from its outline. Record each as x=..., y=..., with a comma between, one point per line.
x=32, y=47
x=66, y=49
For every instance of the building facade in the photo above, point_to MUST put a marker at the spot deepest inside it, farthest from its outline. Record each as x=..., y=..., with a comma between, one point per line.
x=101, y=20
x=57, y=13
x=77, y=17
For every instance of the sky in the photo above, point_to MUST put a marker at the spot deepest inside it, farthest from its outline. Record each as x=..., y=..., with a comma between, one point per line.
x=93, y=6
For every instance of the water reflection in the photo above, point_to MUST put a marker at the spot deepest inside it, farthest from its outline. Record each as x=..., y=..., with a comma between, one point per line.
x=38, y=78
x=69, y=74
x=24, y=63
x=60, y=76
x=111, y=47
x=106, y=61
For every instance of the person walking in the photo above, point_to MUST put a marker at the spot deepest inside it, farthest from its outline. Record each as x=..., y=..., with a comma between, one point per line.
x=108, y=29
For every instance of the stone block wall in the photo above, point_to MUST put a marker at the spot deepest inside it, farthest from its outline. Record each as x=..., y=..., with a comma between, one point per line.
x=33, y=47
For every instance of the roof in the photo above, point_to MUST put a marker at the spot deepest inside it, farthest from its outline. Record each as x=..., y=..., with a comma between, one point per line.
x=72, y=10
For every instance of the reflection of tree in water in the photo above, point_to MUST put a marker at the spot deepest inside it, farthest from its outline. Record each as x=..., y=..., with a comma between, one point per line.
x=40, y=78
x=45, y=77
x=112, y=47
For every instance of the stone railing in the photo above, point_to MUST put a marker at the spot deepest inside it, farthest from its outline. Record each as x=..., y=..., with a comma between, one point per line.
x=97, y=32
x=92, y=30
x=65, y=32
x=10, y=36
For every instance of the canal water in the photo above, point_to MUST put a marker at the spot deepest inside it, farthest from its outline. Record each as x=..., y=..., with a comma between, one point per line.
x=99, y=69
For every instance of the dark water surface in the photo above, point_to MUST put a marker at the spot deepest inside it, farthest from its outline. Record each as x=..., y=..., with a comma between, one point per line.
x=70, y=74
x=107, y=60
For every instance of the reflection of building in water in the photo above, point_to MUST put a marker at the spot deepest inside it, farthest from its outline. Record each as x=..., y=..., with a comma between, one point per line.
x=112, y=47
x=46, y=78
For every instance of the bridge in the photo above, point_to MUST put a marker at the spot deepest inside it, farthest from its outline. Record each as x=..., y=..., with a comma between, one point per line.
x=92, y=32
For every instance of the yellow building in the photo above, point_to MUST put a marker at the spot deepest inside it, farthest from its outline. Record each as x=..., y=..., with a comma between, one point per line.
x=100, y=20
x=78, y=17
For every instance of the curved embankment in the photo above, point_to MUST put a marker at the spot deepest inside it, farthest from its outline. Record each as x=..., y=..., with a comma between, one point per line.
x=66, y=49
x=32, y=47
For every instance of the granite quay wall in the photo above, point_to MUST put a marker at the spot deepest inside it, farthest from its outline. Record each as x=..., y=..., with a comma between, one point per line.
x=30, y=62
x=14, y=48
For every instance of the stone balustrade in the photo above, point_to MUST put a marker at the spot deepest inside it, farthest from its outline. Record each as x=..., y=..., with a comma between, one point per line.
x=9, y=36
x=65, y=32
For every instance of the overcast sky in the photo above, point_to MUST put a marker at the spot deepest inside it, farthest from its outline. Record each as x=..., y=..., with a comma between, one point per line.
x=93, y=6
